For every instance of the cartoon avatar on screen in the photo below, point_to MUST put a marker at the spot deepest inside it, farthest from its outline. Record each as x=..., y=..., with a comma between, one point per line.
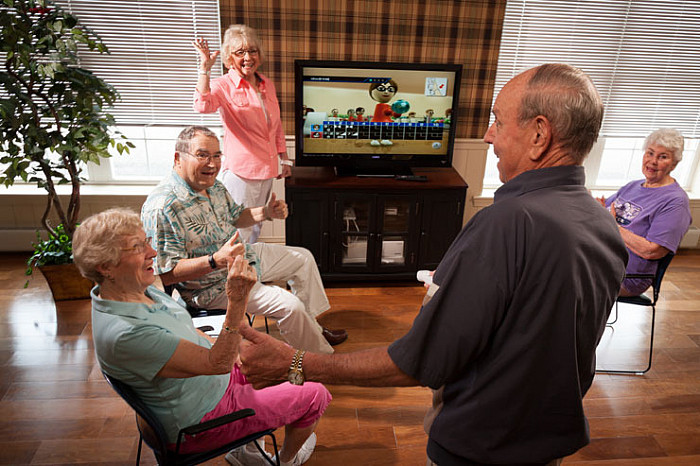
x=382, y=93
x=360, y=114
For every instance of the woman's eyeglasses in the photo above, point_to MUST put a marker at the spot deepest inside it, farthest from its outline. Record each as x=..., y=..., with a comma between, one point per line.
x=241, y=52
x=139, y=247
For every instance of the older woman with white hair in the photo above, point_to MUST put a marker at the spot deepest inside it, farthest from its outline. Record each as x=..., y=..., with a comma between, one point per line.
x=652, y=214
x=250, y=113
x=147, y=340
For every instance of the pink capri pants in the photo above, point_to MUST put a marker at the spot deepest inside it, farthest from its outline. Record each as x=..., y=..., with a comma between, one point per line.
x=284, y=404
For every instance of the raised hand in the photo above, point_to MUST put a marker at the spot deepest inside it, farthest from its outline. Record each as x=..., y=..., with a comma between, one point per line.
x=206, y=58
x=240, y=280
x=230, y=250
x=264, y=360
x=276, y=208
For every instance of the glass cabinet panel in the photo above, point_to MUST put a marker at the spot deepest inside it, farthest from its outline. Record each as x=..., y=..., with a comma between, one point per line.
x=393, y=250
x=395, y=226
x=355, y=231
x=396, y=216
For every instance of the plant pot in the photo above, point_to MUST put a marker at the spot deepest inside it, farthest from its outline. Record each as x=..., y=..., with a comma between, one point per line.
x=66, y=282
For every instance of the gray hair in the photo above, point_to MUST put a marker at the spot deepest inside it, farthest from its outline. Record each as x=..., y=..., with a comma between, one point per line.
x=96, y=241
x=567, y=97
x=237, y=35
x=670, y=138
x=184, y=139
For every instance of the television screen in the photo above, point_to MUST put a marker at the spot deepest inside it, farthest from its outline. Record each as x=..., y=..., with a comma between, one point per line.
x=375, y=118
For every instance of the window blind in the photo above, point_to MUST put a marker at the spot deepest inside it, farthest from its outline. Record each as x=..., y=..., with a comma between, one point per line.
x=643, y=55
x=151, y=61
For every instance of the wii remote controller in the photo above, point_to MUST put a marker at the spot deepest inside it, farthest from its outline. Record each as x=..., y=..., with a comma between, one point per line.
x=425, y=277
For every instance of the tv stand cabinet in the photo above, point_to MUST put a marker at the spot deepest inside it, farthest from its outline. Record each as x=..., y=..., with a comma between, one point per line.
x=374, y=228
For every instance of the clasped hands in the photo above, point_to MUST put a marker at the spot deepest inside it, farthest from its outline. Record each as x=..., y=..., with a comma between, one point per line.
x=263, y=359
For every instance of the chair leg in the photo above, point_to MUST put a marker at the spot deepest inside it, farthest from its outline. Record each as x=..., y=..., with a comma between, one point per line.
x=138, y=452
x=251, y=319
x=275, y=460
x=609, y=323
x=651, y=348
x=651, y=338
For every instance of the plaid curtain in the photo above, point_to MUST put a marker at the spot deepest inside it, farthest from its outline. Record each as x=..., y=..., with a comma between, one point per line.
x=467, y=32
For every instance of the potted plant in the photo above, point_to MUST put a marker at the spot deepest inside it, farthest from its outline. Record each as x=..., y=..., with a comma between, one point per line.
x=52, y=121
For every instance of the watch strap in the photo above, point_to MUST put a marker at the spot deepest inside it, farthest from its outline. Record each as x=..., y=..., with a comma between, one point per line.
x=212, y=262
x=296, y=367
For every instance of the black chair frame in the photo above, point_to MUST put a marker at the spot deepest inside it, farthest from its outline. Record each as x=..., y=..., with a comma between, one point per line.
x=155, y=437
x=643, y=300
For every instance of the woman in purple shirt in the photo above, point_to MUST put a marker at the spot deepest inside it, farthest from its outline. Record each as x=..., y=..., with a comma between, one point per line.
x=652, y=214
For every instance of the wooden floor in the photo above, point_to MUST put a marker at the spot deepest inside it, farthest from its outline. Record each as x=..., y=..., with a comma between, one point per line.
x=56, y=409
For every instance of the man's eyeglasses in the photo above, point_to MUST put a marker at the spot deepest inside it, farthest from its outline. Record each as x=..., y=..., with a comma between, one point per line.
x=242, y=52
x=139, y=247
x=205, y=156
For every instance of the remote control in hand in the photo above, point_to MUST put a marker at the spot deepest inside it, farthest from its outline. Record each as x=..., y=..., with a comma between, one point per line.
x=425, y=277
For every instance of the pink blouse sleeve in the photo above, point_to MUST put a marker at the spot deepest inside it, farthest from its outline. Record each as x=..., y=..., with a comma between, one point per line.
x=206, y=103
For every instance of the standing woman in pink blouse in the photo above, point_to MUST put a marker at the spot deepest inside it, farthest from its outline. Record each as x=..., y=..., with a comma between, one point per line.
x=250, y=113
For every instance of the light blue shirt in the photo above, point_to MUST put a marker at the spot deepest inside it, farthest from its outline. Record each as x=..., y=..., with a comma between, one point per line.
x=184, y=224
x=133, y=341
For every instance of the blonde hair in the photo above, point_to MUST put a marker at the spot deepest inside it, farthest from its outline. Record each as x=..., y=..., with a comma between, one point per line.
x=96, y=241
x=235, y=36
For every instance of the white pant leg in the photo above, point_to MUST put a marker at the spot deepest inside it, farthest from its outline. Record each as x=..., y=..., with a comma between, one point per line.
x=295, y=324
x=248, y=193
x=297, y=267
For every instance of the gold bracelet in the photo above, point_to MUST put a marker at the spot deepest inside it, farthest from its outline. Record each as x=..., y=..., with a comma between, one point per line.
x=231, y=330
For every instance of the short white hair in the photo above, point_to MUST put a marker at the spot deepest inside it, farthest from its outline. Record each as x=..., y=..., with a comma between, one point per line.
x=670, y=138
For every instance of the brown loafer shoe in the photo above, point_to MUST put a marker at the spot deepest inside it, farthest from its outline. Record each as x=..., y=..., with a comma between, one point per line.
x=334, y=337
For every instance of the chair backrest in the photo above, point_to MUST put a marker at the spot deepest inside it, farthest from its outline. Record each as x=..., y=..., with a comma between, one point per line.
x=660, y=272
x=148, y=424
x=169, y=289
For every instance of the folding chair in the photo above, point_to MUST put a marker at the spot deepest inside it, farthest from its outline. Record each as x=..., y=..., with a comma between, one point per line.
x=643, y=300
x=152, y=432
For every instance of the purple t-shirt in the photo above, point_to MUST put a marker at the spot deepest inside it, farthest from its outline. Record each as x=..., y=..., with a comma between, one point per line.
x=661, y=215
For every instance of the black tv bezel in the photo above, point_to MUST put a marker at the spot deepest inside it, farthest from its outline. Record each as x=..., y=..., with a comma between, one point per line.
x=370, y=162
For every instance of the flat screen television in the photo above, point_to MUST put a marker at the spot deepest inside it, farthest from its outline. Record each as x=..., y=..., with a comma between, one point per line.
x=375, y=119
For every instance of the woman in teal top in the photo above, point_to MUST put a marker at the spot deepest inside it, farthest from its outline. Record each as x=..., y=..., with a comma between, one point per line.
x=147, y=340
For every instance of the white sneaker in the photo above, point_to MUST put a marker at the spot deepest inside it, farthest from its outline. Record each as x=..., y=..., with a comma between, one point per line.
x=247, y=455
x=304, y=452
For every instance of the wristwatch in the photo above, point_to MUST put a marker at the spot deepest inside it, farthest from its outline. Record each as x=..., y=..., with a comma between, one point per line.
x=296, y=373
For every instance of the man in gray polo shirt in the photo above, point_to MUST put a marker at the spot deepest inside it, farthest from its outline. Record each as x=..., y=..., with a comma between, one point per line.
x=524, y=292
